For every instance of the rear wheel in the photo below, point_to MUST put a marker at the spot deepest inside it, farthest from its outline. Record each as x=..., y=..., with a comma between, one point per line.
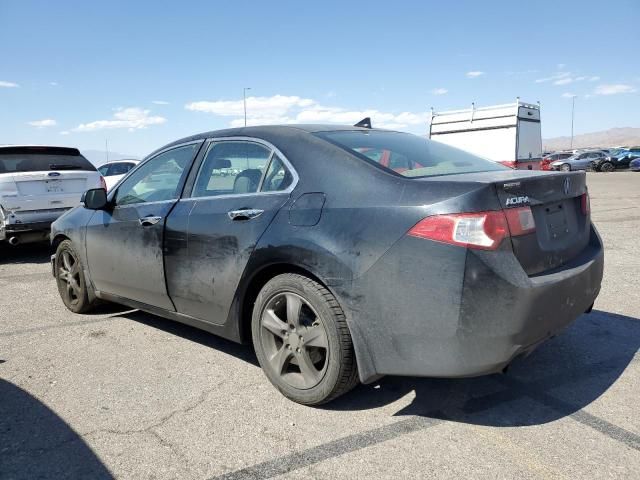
x=565, y=167
x=607, y=167
x=302, y=340
x=70, y=279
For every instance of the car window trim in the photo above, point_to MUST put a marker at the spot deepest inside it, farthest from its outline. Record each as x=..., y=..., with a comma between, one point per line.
x=195, y=169
x=112, y=195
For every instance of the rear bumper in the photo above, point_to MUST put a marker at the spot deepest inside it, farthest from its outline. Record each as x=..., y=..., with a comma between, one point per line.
x=35, y=221
x=464, y=313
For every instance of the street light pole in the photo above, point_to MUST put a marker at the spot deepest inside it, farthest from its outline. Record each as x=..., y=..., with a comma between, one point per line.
x=244, y=98
x=573, y=106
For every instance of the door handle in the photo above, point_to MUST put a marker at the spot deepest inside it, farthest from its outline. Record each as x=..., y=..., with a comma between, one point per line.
x=244, y=214
x=148, y=221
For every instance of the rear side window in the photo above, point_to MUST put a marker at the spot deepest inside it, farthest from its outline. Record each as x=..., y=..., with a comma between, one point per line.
x=408, y=155
x=278, y=176
x=40, y=159
x=119, y=168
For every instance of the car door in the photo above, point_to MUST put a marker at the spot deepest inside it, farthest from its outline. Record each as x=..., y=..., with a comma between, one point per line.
x=212, y=234
x=124, y=243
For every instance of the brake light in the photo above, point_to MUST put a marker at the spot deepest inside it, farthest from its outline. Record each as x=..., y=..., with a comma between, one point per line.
x=508, y=163
x=585, y=203
x=481, y=230
x=520, y=221
x=103, y=182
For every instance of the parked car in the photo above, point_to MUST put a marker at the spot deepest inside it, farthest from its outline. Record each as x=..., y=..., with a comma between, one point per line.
x=634, y=165
x=545, y=164
x=114, y=171
x=37, y=185
x=621, y=160
x=579, y=161
x=336, y=267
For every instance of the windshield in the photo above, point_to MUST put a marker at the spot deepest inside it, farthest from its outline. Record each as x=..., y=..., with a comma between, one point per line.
x=39, y=162
x=408, y=155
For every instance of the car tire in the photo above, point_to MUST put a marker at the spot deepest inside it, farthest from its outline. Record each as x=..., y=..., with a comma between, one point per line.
x=302, y=340
x=565, y=167
x=607, y=167
x=69, y=275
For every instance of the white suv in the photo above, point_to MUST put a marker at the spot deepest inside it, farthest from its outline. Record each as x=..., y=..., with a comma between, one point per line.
x=37, y=185
x=114, y=171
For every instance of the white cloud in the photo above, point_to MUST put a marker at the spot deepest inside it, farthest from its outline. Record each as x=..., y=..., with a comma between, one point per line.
x=160, y=102
x=53, y=84
x=132, y=118
x=439, y=91
x=565, y=78
x=47, y=122
x=568, y=95
x=65, y=132
x=282, y=109
x=8, y=84
x=275, y=106
x=563, y=81
x=555, y=77
x=474, y=74
x=613, y=89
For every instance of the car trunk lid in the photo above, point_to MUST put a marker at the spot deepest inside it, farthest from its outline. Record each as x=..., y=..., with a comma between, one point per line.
x=562, y=230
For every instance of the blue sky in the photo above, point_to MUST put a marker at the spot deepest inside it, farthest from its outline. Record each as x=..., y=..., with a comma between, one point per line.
x=141, y=74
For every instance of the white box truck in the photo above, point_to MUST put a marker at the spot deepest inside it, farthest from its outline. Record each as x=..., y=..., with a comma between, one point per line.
x=509, y=134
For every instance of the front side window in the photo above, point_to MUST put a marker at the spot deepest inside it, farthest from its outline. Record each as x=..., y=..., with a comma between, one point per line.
x=232, y=168
x=409, y=155
x=158, y=179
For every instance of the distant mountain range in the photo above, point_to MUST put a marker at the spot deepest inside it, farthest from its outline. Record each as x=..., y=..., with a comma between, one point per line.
x=98, y=157
x=614, y=137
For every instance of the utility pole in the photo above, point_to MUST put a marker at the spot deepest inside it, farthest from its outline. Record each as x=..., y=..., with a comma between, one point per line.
x=244, y=98
x=573, y=107
x=106, y=147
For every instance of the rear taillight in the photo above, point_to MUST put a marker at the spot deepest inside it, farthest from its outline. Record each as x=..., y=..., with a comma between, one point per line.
x=585, y=203
x=481, y=230
x=508, y=163
x=103, y=182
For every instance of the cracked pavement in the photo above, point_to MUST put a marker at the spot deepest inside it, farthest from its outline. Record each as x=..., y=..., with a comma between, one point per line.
x=125, y=394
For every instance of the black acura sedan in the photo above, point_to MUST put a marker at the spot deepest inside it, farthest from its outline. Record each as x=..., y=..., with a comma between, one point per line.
x=342, y=253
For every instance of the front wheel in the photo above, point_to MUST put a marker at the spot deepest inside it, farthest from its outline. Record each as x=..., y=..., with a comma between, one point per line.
x=607, y=167
x=70, y=279
x=302, y=341
x=565, y=167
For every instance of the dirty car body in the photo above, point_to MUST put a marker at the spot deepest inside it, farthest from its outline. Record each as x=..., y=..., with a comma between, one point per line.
x=451, y=268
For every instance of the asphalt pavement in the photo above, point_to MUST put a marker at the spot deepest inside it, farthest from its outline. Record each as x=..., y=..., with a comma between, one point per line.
x=126, y=394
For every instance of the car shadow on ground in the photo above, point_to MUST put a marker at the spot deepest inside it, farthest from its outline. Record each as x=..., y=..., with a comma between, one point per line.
x=37, y=443
x=28, y=253
x=242, y=352
x=560, y=378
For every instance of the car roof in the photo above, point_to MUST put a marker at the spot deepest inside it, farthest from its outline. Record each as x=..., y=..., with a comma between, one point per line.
x=267, y=130
x=120, y=160
x=48, y=149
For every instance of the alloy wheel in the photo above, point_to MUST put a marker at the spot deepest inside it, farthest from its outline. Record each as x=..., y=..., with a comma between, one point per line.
x=294, y=340
x=69, y=277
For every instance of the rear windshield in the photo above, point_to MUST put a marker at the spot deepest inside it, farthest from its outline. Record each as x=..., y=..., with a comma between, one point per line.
x=409, y=155
x=17, y=162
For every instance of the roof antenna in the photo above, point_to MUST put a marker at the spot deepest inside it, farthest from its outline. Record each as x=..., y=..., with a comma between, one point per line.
x=364, y=123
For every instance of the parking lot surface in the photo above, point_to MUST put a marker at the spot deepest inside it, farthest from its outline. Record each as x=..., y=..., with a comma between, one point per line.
x=126, y=394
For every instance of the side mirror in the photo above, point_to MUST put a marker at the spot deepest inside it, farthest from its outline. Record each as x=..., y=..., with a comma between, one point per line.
x=95, y=199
